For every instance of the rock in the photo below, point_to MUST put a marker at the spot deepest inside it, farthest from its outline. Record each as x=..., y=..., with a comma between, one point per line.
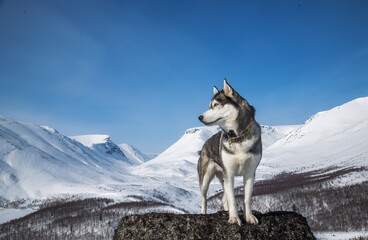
x=272, y=225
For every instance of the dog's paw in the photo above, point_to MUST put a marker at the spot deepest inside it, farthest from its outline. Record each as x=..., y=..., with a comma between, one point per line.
x=235, y=220
x=250, y=218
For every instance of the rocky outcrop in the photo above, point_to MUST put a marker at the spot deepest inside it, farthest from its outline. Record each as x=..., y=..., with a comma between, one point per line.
x=272, y=225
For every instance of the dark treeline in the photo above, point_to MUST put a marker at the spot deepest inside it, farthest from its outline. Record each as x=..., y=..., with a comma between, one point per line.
x=94, y=218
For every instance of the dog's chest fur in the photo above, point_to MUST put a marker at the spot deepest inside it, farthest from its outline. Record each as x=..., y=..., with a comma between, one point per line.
x=236, y=157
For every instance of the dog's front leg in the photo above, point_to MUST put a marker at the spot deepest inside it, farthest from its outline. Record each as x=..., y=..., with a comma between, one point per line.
x=229, y=191
x=224, y=202
x=220, y=176
x=248, y=189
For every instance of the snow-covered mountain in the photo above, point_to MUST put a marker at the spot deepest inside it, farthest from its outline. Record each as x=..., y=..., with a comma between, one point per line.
x=271, y=134
x=336, y=138
x=37, y=162
x=102, y=145
x=134, y=154
x=180, y=159
x=178, y=164
x=331, y=140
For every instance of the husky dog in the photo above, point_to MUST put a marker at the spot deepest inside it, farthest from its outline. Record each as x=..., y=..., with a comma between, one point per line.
x=234, y=151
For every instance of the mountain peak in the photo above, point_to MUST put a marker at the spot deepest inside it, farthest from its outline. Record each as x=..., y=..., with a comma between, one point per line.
x=50, y=129
x=102, y=144
x=132, y=153
x=343, y=116
x=350, y=112
x=361, y=100
x=92, y=139
x=334, y=137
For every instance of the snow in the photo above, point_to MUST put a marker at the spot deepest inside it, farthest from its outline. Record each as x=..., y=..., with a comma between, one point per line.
x=132, y=153
x=341, y=235
x=333, y=138
x=8, y=214
x=178, y=164
x=271, y=134
x=181, y=157
x=90, y=140
x=39, y=162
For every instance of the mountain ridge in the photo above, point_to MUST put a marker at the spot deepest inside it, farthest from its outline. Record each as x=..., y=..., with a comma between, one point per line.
x=335, y=136
x=330, y=141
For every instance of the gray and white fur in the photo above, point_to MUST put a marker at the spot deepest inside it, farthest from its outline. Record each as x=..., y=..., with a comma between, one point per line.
x=234, y=151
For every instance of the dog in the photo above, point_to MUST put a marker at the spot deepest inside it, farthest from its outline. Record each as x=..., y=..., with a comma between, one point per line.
x=236, y=150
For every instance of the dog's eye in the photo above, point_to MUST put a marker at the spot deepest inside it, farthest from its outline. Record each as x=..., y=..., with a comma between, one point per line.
x=216, y=104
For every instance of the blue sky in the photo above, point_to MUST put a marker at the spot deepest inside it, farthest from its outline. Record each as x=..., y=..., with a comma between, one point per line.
x=142, y=71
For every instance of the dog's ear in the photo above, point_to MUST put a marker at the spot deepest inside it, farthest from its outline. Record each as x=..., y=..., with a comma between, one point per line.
x=228, y=90
x=215, y=90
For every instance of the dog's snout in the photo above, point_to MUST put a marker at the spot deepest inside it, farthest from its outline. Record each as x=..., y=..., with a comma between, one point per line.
x=200, y=118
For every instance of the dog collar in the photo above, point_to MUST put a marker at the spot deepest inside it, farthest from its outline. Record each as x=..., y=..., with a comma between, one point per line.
x=241, y=137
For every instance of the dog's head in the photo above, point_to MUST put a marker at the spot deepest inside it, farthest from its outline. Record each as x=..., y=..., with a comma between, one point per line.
x=227, y=108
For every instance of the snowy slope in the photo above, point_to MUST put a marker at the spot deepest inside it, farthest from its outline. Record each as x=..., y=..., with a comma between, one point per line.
x=177, y=167
x=180, y=159
x=178, y=164
x=271, y=134
x=336, y=138
x=36, y=162
x=135, y=155
x=332, y=139
x=103, y=147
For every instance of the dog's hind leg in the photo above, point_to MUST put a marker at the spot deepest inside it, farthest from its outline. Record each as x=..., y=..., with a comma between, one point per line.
x=206, y=172
x=207, y=178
